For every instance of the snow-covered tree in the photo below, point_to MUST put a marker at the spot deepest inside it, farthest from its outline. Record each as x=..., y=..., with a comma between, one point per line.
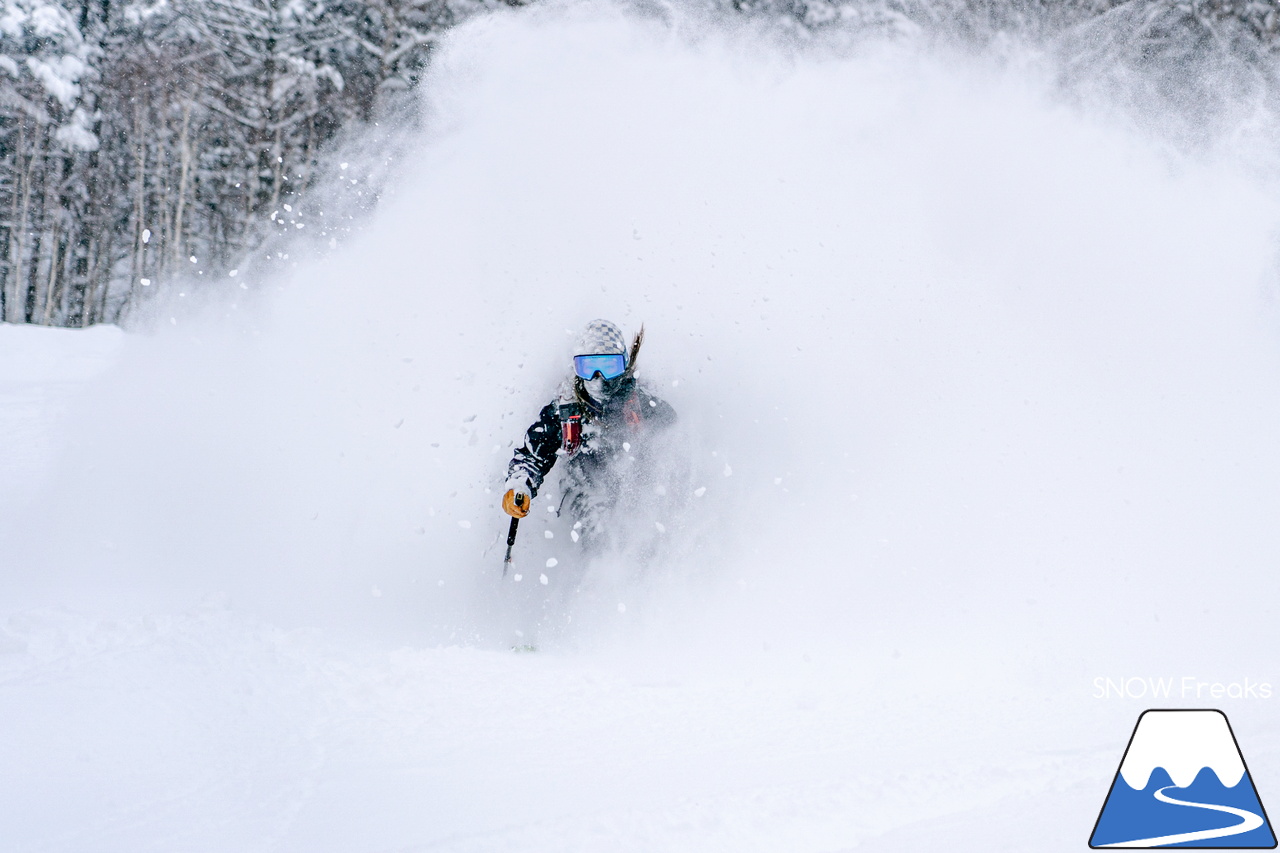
x=47, y=119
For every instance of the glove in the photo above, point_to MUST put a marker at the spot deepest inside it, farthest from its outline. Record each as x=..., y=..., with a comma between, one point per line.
x=516, y=503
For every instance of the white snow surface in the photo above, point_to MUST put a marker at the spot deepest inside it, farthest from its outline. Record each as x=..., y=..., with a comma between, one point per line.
x=1183, y=743
x=994, y=375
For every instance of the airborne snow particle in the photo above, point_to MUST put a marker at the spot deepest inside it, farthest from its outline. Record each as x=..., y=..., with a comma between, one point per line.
x=728, y=471
x=464, y=524
x=519, y=578
x=543, y=578
x=573, y=534
x=146, y=282
x=622, y=608
x=551, y=563
x=700, y=491
x=548, y=534
x=661, y=529
x=146, y=236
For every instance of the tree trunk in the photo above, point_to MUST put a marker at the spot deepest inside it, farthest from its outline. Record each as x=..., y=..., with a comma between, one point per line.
x=137, y=270
x=184, y=155
x=48, y=291
x=16, y=303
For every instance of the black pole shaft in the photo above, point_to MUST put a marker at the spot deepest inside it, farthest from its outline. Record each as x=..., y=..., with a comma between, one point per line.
x=511, y=540
x=511, y=536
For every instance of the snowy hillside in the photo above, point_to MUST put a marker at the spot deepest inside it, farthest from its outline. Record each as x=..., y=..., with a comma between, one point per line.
x=978, y=403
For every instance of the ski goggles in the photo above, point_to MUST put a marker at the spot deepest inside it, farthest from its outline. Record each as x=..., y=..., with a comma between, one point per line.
x=610, y=365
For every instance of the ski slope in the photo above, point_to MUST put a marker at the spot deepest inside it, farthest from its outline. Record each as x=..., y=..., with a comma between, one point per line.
x=978, y=403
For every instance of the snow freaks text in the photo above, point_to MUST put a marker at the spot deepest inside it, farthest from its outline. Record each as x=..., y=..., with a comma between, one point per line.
x=1184, y=687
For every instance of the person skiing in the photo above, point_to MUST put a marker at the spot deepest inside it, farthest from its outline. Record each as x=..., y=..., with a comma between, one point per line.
x=597, y=421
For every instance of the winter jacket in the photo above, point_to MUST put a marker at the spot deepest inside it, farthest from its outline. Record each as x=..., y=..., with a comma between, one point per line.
x=623, y=417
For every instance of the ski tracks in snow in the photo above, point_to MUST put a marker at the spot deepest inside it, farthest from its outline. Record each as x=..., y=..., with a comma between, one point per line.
x=209, y=732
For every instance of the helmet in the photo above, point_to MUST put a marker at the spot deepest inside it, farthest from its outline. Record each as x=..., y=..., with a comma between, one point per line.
x=601, y=337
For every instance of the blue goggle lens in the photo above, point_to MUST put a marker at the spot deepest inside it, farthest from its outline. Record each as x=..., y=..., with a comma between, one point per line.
x=610, y=366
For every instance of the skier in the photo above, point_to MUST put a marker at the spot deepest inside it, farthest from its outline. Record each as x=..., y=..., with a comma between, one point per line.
x=598, y=422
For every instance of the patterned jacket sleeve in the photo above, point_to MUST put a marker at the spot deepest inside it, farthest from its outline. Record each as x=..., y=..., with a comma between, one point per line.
x=535, y=458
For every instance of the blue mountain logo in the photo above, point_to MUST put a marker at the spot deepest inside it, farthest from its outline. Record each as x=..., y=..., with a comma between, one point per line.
x=1183, y=783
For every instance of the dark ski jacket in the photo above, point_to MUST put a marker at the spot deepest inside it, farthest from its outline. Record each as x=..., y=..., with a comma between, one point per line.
x=623, y=416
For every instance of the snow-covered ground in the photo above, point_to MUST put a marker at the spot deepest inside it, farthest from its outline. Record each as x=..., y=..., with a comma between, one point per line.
x=978, y=397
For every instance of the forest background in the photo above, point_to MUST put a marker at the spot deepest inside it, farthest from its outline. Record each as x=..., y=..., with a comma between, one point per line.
x=152, y=148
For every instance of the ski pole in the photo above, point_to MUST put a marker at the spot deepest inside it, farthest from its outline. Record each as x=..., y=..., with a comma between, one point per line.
x=511, y=536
